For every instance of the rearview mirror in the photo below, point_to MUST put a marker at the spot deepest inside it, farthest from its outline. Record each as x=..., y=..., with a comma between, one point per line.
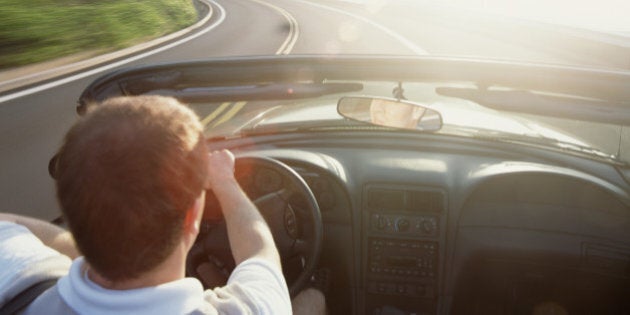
x=390, y=113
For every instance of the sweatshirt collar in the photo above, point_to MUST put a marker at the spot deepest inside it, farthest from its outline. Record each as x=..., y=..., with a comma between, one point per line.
x=86, y=297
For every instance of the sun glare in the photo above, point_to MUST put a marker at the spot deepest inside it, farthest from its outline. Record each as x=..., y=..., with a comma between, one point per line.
x=604, y=15
x=601, y=15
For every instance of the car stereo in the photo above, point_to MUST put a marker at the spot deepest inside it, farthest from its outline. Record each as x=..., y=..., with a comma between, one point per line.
x=403, y=247
x=402, y=267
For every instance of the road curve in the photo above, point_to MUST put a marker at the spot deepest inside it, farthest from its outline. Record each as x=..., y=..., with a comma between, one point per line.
x=33, y=121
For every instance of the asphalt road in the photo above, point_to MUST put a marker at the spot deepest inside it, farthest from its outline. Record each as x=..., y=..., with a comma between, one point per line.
x=32, y=125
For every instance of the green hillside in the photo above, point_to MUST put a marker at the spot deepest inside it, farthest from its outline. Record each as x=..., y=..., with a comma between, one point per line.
x=39, y=30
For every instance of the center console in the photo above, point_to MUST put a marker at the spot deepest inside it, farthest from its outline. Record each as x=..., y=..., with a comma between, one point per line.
x=404, y=230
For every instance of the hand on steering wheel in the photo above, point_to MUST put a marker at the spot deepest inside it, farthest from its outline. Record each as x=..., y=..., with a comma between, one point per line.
x=292, y=214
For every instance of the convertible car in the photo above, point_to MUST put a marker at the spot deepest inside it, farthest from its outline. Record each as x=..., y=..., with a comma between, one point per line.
x=419, y=185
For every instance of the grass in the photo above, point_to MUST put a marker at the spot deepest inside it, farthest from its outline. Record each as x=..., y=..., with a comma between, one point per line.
x=39, y=30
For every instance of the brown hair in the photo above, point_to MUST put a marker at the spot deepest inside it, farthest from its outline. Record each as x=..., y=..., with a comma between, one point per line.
x=126, y=175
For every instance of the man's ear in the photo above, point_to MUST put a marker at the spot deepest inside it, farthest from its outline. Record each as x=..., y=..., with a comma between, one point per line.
x=194, y=214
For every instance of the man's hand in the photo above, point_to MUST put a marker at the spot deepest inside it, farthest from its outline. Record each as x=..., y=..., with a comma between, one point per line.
x=220, y=168
x=247, y=230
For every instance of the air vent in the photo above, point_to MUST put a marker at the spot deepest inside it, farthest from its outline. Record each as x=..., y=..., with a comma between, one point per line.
x=406, y=200
x=386, y=199
x=426, y=201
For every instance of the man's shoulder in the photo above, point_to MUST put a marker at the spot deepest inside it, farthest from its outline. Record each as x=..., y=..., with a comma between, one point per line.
x=255, y=286
x=49, y=302
x=25, y=261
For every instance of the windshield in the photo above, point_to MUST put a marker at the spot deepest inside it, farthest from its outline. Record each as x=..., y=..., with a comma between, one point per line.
x=460, y=117
x=584, y=33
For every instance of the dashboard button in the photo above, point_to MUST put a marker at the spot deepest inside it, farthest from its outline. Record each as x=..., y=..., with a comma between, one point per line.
x=402, y=225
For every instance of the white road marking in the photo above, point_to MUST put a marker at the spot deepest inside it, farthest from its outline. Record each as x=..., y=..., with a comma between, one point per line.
x=407, y=43
x=82, y=75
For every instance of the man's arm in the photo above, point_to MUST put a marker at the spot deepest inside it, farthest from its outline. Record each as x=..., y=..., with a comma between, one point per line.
x=248, y=232
x=50, y=234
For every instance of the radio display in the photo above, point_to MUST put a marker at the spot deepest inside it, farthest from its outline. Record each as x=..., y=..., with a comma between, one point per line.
x=402, y=255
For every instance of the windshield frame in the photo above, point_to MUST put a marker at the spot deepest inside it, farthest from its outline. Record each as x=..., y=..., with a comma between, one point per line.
x=222, y=76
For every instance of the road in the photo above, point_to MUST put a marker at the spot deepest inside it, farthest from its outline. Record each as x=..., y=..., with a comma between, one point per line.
x=33, y=123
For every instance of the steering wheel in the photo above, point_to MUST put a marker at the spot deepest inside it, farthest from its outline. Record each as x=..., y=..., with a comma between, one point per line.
x=291, y=211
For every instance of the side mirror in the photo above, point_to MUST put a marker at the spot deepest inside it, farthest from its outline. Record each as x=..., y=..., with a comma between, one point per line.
x=390, y=113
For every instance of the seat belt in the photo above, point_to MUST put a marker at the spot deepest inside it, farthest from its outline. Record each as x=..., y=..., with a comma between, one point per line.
x=24, y=298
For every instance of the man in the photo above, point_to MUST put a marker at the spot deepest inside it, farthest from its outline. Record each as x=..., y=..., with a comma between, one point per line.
x=131, y=179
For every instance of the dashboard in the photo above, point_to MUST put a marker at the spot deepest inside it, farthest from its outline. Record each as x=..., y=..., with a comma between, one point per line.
x=432, y=224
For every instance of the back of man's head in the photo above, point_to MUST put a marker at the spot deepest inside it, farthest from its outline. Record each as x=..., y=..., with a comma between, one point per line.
x=126, y=175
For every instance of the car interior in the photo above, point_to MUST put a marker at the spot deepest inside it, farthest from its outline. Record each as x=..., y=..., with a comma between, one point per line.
x=395, y=221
